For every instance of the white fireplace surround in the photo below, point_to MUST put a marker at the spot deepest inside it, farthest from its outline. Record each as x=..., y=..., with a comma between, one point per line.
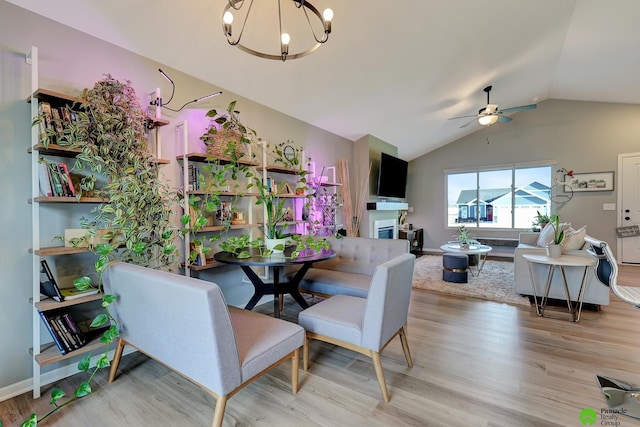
x=383, y=224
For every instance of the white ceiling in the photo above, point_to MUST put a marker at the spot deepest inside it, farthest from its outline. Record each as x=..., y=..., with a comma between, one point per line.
x=395, y=70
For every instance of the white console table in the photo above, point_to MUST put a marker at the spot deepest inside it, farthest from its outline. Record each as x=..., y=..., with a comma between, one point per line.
x=560, y=263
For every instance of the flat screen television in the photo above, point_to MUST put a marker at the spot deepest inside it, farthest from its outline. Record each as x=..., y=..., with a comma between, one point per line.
x=392, y=177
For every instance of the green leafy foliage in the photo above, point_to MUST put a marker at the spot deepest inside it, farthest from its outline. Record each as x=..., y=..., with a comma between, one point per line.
x=32, y=421
x=84, y=389
x=82, y=283
x=56, y=395
x=558, y=232
x=117, y=166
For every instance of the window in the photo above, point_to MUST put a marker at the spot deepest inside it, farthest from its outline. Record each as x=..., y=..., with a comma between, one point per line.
x=502, y=197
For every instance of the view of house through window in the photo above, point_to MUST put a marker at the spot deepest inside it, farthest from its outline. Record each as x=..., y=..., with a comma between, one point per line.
x=506, y=197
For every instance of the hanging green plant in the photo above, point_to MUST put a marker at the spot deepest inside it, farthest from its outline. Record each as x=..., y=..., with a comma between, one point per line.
x=231, y=137
x=117, y=166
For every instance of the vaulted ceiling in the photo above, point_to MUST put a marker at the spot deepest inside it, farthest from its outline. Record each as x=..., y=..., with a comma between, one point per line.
x=394, y=70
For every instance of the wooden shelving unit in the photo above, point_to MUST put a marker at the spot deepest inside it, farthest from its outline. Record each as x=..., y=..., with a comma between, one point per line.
x=58, y=250
x=48, y=199
x=84, y=307
x=49, y=353
x=240, y=197
x=204, y=158
x=62, y=151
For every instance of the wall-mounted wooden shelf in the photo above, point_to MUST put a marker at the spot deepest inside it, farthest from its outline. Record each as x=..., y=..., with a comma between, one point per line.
x=205, y=158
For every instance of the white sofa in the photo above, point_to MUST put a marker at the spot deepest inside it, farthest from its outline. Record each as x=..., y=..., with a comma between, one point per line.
x=596, y=292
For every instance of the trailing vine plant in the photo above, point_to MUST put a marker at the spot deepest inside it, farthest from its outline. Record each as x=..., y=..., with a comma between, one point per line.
x=116, y=163
x=228, y=142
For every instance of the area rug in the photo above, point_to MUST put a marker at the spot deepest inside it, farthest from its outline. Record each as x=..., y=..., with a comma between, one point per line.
x=495, y=282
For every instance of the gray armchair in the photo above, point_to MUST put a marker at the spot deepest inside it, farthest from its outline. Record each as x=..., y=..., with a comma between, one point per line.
x=185, y=324
x=366, y=325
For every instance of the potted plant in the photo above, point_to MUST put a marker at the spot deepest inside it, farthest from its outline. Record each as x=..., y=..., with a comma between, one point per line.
x=540, y=220
x=464, y=238
x=554, y=249
x=230, y=138
x=275, y=211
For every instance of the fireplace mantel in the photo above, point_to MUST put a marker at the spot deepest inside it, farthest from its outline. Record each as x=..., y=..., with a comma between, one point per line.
x=387, y=206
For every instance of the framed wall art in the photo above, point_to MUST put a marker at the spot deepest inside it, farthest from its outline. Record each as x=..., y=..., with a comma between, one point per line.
x=592, y=181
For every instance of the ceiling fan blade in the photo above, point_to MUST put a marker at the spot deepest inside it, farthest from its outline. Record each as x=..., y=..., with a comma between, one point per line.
x=463, y=117
x=469, y=122
x=520, y=108
x=504, y=119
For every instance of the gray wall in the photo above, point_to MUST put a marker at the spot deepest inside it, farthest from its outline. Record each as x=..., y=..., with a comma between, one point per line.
x=579, y=136
x=69, y=62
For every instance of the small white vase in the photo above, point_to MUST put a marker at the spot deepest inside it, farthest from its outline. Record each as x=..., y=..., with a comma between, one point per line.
x=272, y=243
x=554, y=251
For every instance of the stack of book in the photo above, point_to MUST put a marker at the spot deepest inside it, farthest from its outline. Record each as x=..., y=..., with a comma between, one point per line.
x=55, y=120
x=67, y=334
x=55, y=180
x=64, y=330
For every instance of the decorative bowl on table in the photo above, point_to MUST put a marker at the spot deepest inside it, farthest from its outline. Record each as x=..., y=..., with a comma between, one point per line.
x=454, y=244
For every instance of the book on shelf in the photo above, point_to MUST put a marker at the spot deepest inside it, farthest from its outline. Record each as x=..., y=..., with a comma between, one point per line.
x=57, y=120
x=73, y=293
x=44, y=108
x=194, y=177
x=64, y=333
x=43, y=178
x=56, y=182
x=55, y=179
x=54, y=334
x=65, y=113
x=48, y=285
x=64, y=330
x=65, y=178
x=74, y=329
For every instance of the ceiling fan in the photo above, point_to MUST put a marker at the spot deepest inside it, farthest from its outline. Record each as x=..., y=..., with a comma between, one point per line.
x=491, y=113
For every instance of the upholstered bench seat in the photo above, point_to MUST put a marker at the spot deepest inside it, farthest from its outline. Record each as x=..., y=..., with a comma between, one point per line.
x=349, y=273
x=331, y=282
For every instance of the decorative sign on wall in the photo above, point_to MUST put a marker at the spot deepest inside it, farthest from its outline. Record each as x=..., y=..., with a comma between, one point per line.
x=628, y=231
x=593, y=181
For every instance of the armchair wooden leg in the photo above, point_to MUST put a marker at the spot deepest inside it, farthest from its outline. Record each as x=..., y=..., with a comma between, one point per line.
x=377, y=364
x=218, y=414
x=305, y=353
x=405, y=346
x=295, y=367
x=116, y=360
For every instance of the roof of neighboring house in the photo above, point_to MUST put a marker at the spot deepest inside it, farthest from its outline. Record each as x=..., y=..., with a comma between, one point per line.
x=534, y=193
x=486, y=195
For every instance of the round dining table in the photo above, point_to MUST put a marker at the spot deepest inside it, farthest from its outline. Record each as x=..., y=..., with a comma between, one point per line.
x=276, y=261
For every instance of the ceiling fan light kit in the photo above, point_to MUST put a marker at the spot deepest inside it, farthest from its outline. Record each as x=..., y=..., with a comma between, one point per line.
x=487, y=120
x=491, y=113
x=285, y=39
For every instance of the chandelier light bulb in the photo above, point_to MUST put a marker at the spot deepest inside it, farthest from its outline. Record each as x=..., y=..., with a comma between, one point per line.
x=285, y=38
x=228, y=18
x=327, y=14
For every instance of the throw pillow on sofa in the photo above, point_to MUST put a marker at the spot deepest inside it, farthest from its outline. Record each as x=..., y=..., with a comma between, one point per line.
x=574, y=239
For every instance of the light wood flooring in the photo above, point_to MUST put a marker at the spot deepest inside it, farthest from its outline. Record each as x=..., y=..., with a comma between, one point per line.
x=476, y=363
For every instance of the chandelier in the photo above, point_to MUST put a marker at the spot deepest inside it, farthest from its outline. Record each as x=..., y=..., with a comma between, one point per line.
x=320, y=23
